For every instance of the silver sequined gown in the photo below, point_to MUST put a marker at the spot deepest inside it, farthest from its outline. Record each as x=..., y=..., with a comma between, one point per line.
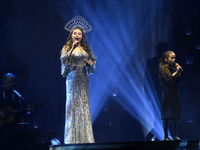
x=78, y=124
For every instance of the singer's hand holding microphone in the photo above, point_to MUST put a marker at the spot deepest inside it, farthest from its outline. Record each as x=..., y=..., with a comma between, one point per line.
x=178, y=67
x=75, y=44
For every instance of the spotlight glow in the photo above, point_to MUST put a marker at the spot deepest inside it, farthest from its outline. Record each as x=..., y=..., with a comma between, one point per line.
x=123, y=42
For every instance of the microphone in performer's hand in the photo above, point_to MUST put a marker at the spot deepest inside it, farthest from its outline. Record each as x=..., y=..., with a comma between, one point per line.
x=76, y=43
x=175, y=64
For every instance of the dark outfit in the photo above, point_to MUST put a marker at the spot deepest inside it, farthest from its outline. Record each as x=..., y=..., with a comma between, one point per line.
x=7, y=129
x=170, y=99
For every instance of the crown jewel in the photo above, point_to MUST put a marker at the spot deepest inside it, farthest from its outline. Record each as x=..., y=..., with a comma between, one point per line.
x=78, y=21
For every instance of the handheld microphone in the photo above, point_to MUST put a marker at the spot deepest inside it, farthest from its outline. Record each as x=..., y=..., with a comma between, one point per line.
x=76, y=43
x=175, y=64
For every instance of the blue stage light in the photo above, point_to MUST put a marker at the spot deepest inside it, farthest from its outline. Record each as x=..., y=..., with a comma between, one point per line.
x=122, y=43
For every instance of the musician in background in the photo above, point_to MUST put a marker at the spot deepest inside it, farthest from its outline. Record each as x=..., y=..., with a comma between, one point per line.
x=10, y=100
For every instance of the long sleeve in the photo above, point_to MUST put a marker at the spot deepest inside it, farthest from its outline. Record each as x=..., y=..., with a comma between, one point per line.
x=90, y=69
x=178, y=77
x=166, y=75
x=64, y=63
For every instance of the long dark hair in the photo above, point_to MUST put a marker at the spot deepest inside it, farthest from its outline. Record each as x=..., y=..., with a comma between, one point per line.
x=84, y=44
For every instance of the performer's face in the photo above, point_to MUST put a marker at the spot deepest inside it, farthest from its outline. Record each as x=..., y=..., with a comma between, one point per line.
x=77, y=34
x=8, y=83
x=171, y=59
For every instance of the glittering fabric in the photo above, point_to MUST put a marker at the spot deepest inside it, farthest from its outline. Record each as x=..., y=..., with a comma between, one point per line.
x=78, y=124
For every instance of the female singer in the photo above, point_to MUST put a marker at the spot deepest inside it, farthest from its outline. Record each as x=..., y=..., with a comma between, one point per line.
x=170, y=76
x=77, y=62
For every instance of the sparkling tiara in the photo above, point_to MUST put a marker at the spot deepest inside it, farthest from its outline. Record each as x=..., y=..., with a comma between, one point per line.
x=78, y=21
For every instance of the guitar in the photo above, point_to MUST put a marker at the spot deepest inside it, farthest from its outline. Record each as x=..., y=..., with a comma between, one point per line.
x=11, y=112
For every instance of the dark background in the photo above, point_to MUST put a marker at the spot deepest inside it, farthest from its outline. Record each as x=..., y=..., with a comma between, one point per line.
x=127, y=39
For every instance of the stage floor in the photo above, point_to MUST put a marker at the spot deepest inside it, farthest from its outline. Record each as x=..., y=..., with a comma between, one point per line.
x=141, y=145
